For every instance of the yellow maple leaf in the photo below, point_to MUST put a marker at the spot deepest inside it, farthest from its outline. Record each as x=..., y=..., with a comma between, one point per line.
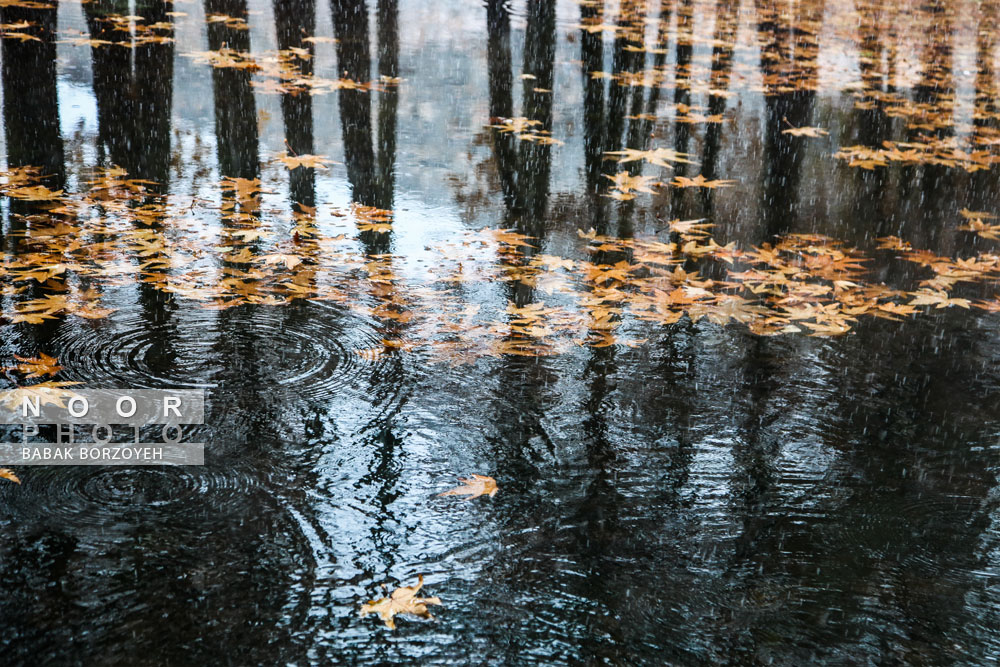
x=626, y=183
x=36, y=368
x=699, y=181
x=938, y=299
x=473, y=487
x=516, y=125
x=696, y=227
x=290, y=261
x=34, y=193
x=47, y=393
x=806, y=132
x=662, y=157
x=403, y=600
x=305, y=160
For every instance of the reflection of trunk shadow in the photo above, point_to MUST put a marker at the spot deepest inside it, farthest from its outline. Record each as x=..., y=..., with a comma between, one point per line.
x=632, y=95
x=235, y=108
x=726, y=24
x=788, y=64
x=133, y=101
x=523, y=164
x=524, y=169
x=244, y=380
x=30, y=103
x=133, y=108
x=31, y=128
x=370, y=156
x=986, y=115
x=295, y=20
x=371, y=175
x=605, y=126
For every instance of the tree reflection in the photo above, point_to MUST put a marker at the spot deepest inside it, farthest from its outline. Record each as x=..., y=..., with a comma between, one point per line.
x=133, y=85
x=30, y=102
x=371, y=177
x=726, y=24
x=788, y=61
x=235, y=108
x=294, y=21
x=523, y=165
x=31, y=127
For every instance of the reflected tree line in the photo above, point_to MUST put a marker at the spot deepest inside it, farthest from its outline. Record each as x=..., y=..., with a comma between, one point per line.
x=770, y=529
x=134, y=98
x=133, y=88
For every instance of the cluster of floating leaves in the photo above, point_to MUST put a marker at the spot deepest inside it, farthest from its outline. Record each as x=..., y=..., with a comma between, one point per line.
x=906, y=53
x=947, y=152
x=283, y=71
x=76, y=248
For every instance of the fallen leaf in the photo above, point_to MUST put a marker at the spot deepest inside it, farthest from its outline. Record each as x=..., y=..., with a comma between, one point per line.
x=403, y=600
x=475, y=486
x=35, y=368
x=806, y=132
x=699, y=181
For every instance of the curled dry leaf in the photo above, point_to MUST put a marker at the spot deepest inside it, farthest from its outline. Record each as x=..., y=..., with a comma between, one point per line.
x=7, y=473
x=403, y=600
x=473, y=487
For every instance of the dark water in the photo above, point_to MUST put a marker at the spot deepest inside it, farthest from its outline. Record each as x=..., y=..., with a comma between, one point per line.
x=705, y=496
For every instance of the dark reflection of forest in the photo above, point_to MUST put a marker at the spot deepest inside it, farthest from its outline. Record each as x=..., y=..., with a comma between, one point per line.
x=710, y=495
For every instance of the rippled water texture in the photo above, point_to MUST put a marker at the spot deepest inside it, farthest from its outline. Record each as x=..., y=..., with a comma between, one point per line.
x=754, y=422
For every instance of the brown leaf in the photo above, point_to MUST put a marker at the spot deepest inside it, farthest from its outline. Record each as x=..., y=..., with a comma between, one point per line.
x=475, y=486
x=403, y=600
x=36, y=368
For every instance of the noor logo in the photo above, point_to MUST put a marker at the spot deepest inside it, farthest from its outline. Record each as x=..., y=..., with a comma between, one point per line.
x=48, y=424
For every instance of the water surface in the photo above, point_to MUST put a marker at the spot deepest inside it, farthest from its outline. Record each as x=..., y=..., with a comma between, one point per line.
x=716, y=476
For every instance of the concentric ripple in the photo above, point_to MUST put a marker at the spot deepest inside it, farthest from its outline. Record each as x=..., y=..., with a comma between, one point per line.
x=304, y=349
x=103, y=496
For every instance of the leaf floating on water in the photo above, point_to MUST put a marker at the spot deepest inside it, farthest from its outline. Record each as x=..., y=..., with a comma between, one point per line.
x=305, y=160
x=47, y=393
x=403, y=600
x=697, y=227
x=225, y=58
x=34, y=193
x=516, y=125
x=699, y=181
x=35, y=368
x=7, y=473
x=938, y=299
x=287, y=260
x=473, y=487
x=806, y=132
x=626, y=184
x=661, y=157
